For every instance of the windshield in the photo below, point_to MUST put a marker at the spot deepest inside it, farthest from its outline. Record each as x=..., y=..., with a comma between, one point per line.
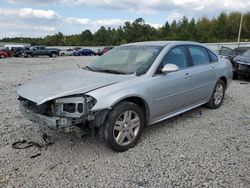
x=127, y=60
x=247, y=53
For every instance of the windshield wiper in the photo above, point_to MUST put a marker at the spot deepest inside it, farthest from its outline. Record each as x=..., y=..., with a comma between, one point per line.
x=109, y=71
x=88, y=68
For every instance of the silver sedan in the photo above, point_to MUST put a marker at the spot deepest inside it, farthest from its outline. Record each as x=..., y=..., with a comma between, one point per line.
x=131, y=86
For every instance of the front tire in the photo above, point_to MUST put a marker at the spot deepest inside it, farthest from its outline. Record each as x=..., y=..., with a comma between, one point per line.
x=217, y=97
x=123, y=126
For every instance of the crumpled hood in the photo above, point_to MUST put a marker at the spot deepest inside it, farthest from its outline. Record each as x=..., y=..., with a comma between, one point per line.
x=67, y=83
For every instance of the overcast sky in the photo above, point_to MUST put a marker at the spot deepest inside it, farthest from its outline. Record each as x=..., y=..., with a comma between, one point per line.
x=36, y=18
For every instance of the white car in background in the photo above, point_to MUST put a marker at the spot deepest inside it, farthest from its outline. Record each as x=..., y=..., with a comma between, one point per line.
x=10, y=46
x=67, y=52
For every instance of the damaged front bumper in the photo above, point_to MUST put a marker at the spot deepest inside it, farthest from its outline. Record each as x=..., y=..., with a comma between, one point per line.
x=49, y=122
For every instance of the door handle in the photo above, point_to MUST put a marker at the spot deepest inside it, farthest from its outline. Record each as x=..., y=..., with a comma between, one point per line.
x=187, y=75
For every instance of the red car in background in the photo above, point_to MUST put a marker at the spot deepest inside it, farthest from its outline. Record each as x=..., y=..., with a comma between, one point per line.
x=106, y=49
x=5, y=53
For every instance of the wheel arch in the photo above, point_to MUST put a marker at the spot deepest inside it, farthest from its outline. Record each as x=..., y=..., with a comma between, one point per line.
x=141, y=103
x=102, y=114
x=224, y=79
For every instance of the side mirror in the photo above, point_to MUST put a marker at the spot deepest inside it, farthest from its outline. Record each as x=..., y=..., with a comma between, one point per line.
x=169, y=68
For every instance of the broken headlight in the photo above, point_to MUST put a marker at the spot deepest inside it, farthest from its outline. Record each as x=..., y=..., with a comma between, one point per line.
x=90, y=102
x=74, y=106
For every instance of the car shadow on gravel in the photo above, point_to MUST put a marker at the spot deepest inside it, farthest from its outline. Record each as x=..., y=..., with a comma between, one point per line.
x=92, y=142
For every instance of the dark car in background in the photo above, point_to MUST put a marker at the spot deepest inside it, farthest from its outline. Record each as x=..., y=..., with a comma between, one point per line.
x=234, y=55
x=84, y=52
x=241, y=66
x=231, y=53
x=41, y=51
x=77, y=48
x=19, y=51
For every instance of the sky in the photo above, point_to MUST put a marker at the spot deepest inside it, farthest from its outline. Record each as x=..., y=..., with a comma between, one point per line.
x=38, y=18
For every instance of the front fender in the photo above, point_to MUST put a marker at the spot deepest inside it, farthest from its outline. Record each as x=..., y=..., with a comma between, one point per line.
x=107, y=97
x=108, y=101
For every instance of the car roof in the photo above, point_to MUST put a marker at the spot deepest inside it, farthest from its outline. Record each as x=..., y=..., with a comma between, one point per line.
x=161, y=43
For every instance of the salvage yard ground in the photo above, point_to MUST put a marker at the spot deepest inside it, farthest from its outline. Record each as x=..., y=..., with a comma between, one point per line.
x=201, y=148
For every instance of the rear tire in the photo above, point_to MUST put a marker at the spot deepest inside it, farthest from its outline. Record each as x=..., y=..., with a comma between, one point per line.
x=53, y=55
x=123, y=126
x=217, y=97
x=2, y=56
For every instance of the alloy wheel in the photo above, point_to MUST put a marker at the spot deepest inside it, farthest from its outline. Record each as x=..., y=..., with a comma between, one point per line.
x=126, y=127
x=218, y=95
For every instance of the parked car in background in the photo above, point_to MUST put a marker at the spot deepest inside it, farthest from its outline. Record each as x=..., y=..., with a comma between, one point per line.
x=4, y=53
x=11, y=46
x=130, y=87
x=66, y=52
x=106, y=49
x=41, y=51
x=19, y=52
x=84, y=52
x=77, y=48
x=98, y=51
x=241, y=65
x=230, y=54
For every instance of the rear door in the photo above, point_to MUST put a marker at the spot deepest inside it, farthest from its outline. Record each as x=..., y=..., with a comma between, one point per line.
x=42, y=51
x=204, y=71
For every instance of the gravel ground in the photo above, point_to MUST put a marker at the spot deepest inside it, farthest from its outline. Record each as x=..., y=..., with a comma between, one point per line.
x=200, y=148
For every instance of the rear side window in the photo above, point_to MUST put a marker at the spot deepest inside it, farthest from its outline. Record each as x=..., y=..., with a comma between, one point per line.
x=212, y=56
x=199, y=55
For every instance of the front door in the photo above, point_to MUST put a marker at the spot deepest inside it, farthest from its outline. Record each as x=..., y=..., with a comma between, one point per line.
x=172, y=91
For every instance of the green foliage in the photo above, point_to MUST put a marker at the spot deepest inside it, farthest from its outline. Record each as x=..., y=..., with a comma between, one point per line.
x=223, y=28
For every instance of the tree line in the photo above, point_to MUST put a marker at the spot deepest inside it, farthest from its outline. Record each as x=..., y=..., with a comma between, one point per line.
x=223, y=28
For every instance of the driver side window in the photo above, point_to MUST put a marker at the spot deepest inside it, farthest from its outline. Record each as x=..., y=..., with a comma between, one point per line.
x=177, y=56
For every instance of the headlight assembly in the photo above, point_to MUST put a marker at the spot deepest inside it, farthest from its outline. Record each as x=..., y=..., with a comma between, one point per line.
x=90, y=102
x=74, y=106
